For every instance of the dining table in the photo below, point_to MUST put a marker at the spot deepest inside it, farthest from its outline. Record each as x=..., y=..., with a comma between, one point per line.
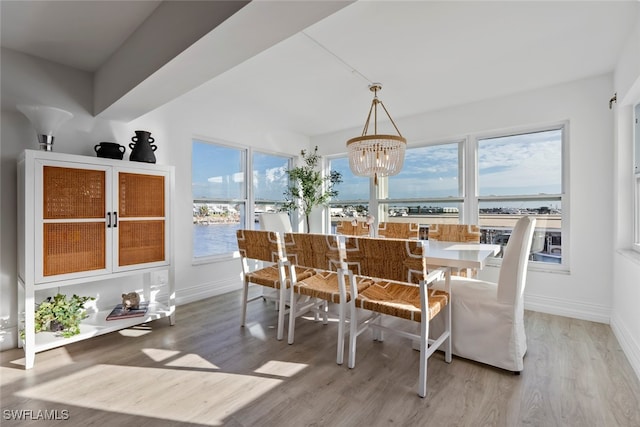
x=459, y=255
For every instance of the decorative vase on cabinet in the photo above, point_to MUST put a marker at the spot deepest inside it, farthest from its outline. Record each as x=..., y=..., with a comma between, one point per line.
x=85, y=219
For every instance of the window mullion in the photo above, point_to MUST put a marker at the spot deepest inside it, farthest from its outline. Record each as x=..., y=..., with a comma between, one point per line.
x=470, y=178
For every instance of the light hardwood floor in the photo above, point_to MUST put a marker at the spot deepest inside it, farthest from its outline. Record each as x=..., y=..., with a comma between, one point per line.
x=207, y=370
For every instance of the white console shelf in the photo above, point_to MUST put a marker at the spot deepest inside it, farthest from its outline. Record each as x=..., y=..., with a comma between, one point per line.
x=89, y=223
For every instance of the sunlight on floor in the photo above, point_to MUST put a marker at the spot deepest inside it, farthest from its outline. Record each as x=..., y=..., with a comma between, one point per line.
x=258, y=331
x=134, y=332
x=279, y=368
x=123, y=389
x=193, y=361
x=159, y=354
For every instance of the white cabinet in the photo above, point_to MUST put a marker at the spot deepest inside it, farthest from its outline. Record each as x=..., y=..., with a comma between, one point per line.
x=82, y=220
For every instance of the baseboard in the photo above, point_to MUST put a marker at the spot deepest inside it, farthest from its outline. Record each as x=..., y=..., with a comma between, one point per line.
x=629, y=345
x=207, y=290
x=568, y=308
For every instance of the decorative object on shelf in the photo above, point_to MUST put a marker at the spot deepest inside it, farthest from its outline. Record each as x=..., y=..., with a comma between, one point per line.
x=376, y=155
x=61, y=314
x=142, y=147
x=308, y=187
x=110, y=150
x=46, y=120
x=121, y=312
x=130, y=301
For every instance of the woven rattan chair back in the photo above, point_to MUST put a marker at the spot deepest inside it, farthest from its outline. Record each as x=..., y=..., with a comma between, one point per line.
x=347, y=228
x=455, y=233
x=260, y=245
x=399, y=230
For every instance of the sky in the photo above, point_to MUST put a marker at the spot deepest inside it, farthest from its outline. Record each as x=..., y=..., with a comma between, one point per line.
x=529, y=164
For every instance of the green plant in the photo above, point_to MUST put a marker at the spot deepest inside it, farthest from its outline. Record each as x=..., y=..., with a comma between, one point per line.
x=67, y=313
x=308, y=188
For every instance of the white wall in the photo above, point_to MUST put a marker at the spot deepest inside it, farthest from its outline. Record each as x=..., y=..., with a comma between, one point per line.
x=625, y=318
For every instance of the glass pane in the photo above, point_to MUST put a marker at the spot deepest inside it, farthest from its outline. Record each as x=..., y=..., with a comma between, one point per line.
x=524, y=164
x=347, y=212
x=217, y=172
x=497, y=220
x=214, y=228
x=423, y=213
x=432, y=171
x=352, y=187
x=269, y=176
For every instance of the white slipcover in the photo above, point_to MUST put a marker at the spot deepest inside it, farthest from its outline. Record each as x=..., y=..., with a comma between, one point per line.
x=487, y=319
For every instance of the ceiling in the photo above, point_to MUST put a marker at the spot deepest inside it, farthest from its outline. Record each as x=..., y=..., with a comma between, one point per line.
x=428, y=55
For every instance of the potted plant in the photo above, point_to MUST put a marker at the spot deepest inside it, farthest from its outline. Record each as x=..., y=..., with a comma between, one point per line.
x=61, y=314
x=308, y=188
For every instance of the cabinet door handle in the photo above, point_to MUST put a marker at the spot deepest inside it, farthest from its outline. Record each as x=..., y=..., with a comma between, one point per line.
x=108, y=219
x=115, y=219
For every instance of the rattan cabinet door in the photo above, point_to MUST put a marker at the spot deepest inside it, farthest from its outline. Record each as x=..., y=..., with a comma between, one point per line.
x=142, y=221
x=73, y=220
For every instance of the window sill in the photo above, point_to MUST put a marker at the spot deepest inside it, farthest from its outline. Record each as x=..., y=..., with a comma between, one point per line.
x=631, y=254
x=541, y=267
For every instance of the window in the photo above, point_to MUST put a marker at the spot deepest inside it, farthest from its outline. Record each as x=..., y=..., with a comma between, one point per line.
x=428, y=190
x=222, y=201
x=522, y=175
x=270, y=182
x=491, y=181
x=353, y=194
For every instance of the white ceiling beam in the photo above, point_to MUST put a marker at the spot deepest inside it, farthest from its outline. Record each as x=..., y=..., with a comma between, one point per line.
x=163, y=60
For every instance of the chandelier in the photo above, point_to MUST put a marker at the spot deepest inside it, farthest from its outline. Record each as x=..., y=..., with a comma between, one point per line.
x=376, y=155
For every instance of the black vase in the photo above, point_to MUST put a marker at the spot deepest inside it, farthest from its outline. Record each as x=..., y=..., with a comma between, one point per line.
x=142, y=148
x=110, y=150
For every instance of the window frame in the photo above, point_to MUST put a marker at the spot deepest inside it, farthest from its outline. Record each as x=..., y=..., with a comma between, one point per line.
x=563, y=196
x=249, y=197
x=635, y=135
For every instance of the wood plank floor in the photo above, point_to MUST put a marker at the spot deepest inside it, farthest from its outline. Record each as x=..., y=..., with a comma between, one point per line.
x=207, y=370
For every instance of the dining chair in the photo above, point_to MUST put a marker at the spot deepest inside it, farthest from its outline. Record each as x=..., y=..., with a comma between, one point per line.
x=275, y=221
x=393, y=266
x=488, y=318
x=257, y=247
x=322, y=253
x=398, y=230
x=468, y=233
x=353, y=228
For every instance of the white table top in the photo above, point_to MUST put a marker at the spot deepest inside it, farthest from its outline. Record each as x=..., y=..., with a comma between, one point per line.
x=459, y=255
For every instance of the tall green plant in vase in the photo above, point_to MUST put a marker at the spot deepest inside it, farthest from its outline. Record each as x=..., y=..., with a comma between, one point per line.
x=308, y=187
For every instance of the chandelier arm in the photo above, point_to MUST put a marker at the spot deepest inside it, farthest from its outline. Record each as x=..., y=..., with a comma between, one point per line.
x=389, y=115
x=366, y=124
